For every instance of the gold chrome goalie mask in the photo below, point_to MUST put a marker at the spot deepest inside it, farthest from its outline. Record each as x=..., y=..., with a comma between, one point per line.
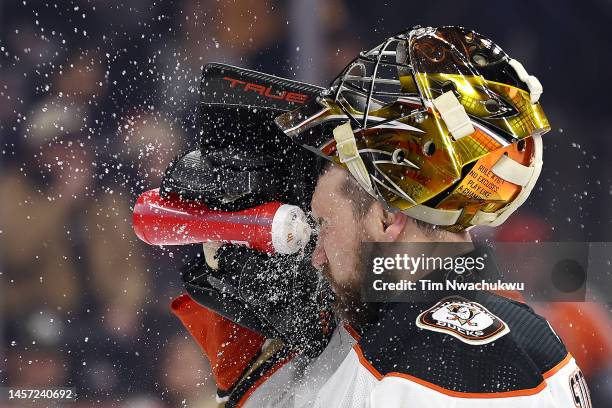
x=436, y=122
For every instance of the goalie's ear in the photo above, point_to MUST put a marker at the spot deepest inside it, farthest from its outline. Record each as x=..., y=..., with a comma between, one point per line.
x=383, y=226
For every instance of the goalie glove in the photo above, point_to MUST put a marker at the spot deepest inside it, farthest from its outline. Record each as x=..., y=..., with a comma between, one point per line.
x=279, y=296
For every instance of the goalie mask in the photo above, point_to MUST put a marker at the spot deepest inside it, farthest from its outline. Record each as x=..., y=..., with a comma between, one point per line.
x=438, y=123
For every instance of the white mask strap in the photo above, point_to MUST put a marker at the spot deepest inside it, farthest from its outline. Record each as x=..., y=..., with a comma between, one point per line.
x=454, y=116
x=533, y=83
x=349, y=155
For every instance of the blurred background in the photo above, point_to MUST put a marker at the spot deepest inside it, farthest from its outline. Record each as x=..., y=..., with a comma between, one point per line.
x=96, y=98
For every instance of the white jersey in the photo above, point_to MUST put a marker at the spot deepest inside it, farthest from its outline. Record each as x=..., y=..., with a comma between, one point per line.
x=455, y=353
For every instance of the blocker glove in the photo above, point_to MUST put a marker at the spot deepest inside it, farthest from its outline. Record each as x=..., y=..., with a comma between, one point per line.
x=243, y=159
x=233, y=179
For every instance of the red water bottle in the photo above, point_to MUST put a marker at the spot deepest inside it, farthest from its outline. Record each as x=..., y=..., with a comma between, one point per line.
x=272, y=227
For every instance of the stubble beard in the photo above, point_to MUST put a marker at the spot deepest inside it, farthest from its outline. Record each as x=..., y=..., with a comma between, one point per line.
x=349, y=305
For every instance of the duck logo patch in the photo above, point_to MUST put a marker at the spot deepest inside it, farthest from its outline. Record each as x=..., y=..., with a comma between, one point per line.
x=468, y=321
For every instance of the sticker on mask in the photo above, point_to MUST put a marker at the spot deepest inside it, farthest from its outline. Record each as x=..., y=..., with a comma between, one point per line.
x=468, y=321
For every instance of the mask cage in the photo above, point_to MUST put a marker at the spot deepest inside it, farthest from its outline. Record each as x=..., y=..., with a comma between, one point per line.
x=370, y=84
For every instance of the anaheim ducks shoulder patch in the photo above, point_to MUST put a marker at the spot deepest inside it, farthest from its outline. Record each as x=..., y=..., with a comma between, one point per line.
x=468, y=321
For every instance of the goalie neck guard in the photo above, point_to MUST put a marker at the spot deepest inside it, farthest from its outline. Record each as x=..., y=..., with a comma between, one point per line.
x=439, y=123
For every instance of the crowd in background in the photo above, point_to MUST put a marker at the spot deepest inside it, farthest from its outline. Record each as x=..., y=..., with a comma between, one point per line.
x=97, y=97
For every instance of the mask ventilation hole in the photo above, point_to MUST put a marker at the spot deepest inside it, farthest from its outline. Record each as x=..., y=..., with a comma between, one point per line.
x=520, y=145
x=398, y=156
x=491, y=105
x=429, y=148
